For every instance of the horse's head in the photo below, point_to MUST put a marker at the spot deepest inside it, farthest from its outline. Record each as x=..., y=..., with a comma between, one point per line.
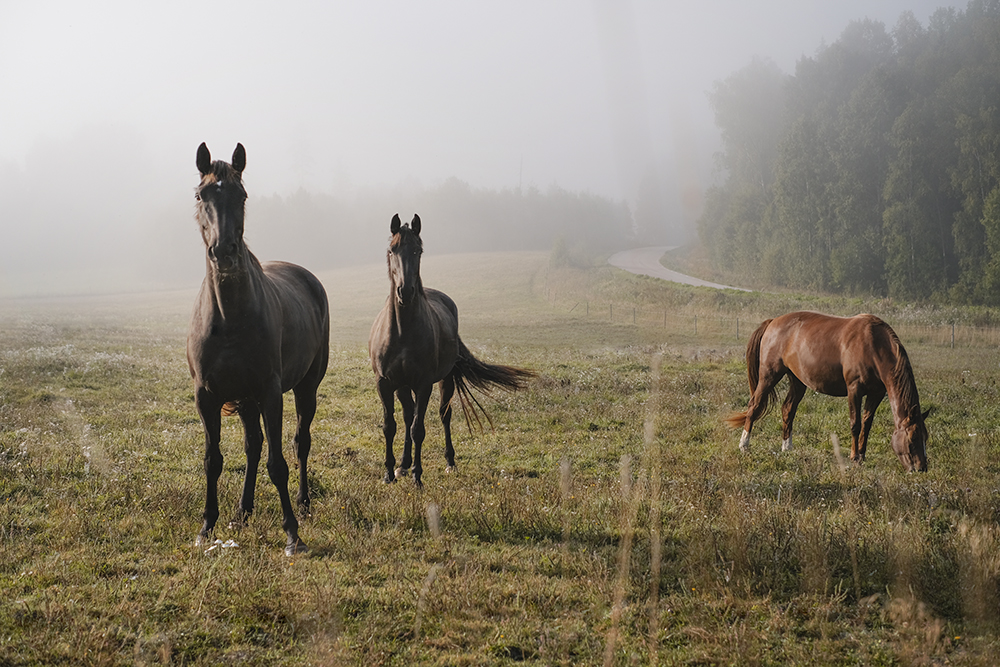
x=403, y=256
x=909, y=441
x=221, y=200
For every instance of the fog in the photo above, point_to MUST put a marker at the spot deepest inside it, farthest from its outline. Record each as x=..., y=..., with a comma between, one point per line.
x=103, y=104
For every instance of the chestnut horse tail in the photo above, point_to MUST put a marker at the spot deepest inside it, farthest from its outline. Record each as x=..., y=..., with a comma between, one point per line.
x=738, y=419
x=469, y=371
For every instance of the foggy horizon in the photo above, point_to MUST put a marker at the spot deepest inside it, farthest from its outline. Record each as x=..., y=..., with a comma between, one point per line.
x=104, y=106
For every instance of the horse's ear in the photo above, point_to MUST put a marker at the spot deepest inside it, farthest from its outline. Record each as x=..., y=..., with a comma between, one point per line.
x=926, y=414
x=394, y=225
x=204, y=160
x=415, y=224
x=239, y=158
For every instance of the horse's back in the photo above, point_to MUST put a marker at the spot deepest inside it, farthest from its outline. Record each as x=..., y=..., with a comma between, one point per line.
x=825, y=352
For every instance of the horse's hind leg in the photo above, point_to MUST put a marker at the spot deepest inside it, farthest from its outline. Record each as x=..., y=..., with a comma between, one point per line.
x=405, y=397
x=385, y=393
x=423, y=398
x=277, y=468
x=447, y=388
x=796, y=390
x=210, y=411
x=305, y=410
x=758, y=404
x=253, y=442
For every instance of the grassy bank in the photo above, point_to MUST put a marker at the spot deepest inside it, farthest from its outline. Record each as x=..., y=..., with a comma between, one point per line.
x=608, y=506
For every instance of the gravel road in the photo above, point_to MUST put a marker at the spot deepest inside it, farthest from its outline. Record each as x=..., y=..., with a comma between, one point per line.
x=646, y=262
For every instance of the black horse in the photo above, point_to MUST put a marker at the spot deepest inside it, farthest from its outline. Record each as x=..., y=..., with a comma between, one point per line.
x=414, y=344
x=257, y=331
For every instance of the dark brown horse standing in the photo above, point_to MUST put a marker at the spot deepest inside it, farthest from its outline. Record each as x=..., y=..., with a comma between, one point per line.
x=414, y=344
x=257, y=331
x=858, y=357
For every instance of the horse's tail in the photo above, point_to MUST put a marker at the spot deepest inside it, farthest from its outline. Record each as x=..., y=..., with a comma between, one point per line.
x=471, y=372
x=737, y=419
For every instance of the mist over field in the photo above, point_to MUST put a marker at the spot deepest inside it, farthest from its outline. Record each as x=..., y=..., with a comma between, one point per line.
x=505, y=126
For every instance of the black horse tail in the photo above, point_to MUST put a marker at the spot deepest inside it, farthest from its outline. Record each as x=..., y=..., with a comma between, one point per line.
x=471, y=372
x=737, y=419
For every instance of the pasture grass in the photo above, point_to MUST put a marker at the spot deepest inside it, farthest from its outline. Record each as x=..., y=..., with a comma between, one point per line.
x=606, y=518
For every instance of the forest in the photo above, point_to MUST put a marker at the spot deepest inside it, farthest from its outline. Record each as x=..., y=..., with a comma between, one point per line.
x=873, y=169
x=457, y=217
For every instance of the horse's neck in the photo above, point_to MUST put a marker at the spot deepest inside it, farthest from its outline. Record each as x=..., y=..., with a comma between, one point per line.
x=410, y=317
x=237, y=295
x=903, y=398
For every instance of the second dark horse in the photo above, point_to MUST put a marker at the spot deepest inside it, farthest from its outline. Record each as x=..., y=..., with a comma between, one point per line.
x=257, y=332
x=414, y=344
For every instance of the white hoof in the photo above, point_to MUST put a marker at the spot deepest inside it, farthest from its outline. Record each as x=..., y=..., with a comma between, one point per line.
x=298, y=548
x=401, y=472
x=786, y=445
x=745, y=442
x=451, y=469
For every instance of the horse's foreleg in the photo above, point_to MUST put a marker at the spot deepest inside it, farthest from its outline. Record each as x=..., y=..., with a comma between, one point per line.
x=796, y=390
x=406, y=401
x=305, y=410
x=423, y=398
x=854, y=397
x=210, y=411
x=447, y=388
x=872, y=401
x=253, y=441
x=388, y=427
x=277, y=469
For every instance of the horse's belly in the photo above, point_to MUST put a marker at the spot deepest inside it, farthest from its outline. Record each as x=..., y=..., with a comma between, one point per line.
x=231, y=376
x=830, y=383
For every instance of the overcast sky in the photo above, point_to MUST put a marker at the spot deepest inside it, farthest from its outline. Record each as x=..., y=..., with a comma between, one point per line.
x=332, y=95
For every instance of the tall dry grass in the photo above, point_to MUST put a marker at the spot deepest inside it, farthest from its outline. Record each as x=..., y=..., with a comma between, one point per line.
x=540, y=550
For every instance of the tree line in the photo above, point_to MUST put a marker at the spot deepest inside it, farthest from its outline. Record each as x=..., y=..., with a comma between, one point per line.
x=874, y=168
x=457, y=217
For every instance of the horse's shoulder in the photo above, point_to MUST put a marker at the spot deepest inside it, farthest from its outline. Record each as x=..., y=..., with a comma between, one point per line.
x=292, y=280
x=439, y=297
x=442, y=304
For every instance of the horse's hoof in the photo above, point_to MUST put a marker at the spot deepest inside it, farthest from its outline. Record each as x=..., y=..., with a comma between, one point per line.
x=202, y=540
x=389, y=478
x=451, y=468
x=401, y=472
x=786, y=445
x=296, y=547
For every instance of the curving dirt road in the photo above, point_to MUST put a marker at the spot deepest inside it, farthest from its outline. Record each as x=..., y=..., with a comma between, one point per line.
x=646, y=262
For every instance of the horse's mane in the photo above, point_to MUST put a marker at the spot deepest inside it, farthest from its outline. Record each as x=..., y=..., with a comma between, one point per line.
x=222, y=172
x=902, y=372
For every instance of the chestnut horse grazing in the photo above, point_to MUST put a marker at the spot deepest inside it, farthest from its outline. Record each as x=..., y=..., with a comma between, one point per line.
x=258, y=330
x=414, y=344
x=858, y=357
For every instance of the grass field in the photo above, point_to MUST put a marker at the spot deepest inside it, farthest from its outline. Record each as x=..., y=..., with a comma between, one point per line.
x=607, y=518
